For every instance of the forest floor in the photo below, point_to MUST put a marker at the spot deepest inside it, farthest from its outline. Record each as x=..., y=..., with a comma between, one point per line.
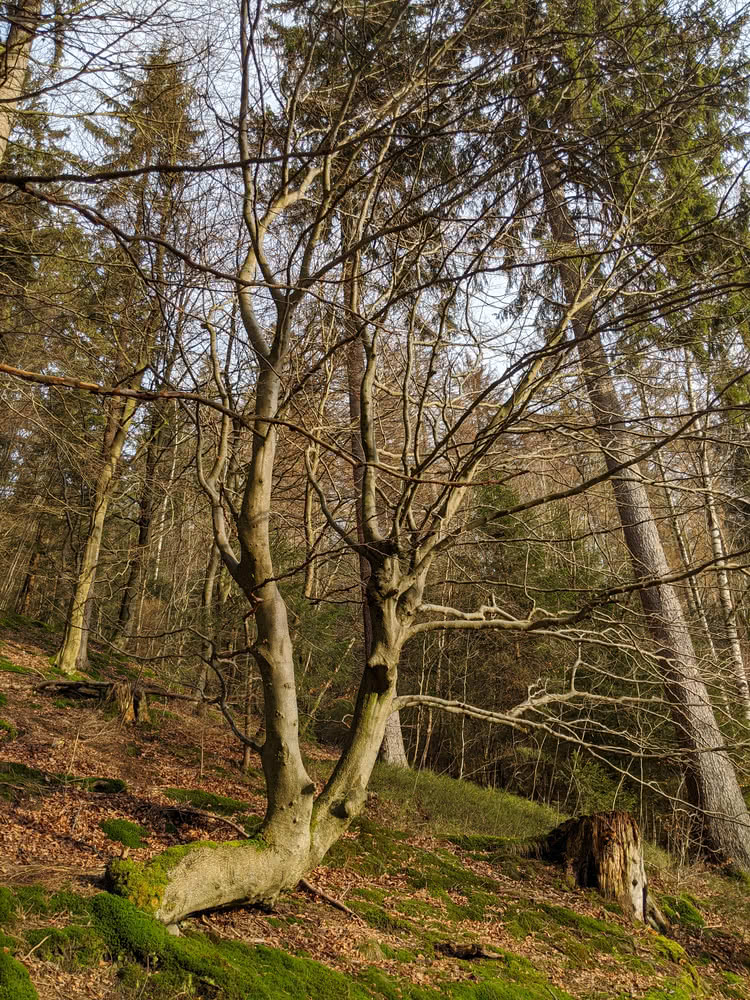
x=429, y=864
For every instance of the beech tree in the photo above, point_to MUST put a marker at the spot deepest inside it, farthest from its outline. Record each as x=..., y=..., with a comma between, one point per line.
x=481, y=220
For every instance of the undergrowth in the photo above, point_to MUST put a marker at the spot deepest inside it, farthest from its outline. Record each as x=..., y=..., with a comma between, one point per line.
x=417, y=800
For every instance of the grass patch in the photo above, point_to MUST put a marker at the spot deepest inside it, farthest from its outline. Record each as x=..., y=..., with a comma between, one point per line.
x=207, y=801
x=12, y=668
x=418, y=799
x=73, y=947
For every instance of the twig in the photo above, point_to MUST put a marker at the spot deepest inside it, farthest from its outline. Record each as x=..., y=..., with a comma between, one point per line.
x=37, y=945
x=191, y=811
x=332, y=901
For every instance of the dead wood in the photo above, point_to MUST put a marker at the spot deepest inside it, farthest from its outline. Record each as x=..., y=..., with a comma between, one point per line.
x=131, y=698
x=604, y=851
x=465, y=951
x=331, y=900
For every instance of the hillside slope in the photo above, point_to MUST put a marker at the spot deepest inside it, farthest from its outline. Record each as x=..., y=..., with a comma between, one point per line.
x=428, y=866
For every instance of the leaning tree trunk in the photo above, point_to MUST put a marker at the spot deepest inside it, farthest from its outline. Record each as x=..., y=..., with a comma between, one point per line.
x=712, y=778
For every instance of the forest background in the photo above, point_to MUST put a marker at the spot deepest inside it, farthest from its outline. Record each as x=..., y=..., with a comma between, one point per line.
x=380, y=370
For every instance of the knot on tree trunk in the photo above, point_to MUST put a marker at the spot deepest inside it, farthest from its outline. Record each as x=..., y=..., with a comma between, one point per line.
x=604, y=851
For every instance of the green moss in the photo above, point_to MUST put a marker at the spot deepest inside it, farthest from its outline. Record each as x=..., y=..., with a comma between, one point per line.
x=18, y=780
x=122, y=831
x=207, y=800
x=104, y=786
x=33, y=899
x=144, y=884
x=203, y=966
x=734, y=986
x=669, y=949
x=72, y=947
x=683, y=909
x=380, y=919
x=15, y=983
x=11, y=619
x=66, y=901
x=8, y=731
x=12, y=668
x=8, y=907
x=9, y=943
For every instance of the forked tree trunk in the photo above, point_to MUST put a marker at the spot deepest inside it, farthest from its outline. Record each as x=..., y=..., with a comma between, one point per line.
x=392, y=750
x=724, y=819
x=297, y=831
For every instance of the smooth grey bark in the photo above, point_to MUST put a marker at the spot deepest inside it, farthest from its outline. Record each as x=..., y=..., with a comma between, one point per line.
x=713, y=780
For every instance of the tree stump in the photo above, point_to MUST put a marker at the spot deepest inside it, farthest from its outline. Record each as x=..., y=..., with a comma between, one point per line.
x=604, y=851
x=132, y=702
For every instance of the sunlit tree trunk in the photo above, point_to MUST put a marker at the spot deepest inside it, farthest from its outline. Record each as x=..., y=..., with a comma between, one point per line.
x=24, y=18
x=69, y=657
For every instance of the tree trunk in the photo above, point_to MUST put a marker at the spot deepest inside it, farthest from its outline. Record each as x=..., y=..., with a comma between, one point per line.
x=24, y=24
x=724, y=816
x=67, y=658
x=731, y=632
x=145, y=521
x=392, y=750
x=23, y=601
x=207, y=598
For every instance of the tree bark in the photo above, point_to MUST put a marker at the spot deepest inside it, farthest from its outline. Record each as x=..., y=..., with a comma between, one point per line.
x=68, y=656
x=24, y=20
x=724, y=816
x=729, y=613
x=23, y=601
x=145, y=521
x=392, y=750
x=604, y=851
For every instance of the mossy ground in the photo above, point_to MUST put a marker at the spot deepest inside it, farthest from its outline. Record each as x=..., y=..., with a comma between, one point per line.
x=453, y=874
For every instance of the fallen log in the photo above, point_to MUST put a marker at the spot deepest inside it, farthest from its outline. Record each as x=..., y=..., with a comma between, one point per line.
x=131, y=697
x=467, y=952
